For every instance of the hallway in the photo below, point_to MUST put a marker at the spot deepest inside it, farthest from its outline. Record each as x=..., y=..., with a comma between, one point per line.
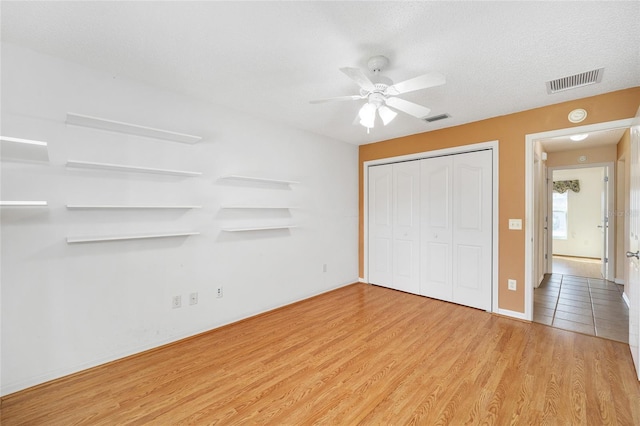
x=586, y=305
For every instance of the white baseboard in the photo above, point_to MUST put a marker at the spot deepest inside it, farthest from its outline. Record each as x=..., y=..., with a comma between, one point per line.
x=626, y=299
x=361, y=280
x=619, y=281
x=512, y=314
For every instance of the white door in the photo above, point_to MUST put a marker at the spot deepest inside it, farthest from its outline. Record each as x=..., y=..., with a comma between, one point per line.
x=436, y=183
x=380, y=225
x=394, y=228
x=633, y=287
x=472, y=229
x=406, y=226
x=604, y=224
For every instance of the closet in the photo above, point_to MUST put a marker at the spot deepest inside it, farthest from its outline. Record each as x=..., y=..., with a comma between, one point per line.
x=430, y=227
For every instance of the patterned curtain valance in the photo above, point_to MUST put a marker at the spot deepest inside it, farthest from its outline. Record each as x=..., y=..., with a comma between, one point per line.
x=563, y=186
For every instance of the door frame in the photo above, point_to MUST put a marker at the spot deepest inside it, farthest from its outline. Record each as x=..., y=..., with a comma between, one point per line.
x=609, y=169
x=493, y=146
x=531, y=229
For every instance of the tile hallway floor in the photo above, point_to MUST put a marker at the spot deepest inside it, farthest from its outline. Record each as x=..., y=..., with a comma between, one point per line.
x=587, y=305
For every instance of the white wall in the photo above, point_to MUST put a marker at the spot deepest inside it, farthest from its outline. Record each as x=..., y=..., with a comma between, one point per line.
x=584, y=214
x=69, y=307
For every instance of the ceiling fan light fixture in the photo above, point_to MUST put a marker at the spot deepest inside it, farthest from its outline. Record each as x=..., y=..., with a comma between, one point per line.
x=367, y=115
x=386, y=114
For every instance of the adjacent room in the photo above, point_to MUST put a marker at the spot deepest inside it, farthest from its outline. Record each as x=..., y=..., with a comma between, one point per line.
x=319, y=212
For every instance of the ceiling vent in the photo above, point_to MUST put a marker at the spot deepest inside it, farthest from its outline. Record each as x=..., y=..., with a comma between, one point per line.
x=575, y=81
x=436, y=118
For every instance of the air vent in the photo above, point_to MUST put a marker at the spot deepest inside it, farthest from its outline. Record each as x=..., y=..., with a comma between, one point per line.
x=436, y=118
x=575, y=81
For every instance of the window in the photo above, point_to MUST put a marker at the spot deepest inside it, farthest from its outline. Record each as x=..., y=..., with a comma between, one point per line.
x=560, y=204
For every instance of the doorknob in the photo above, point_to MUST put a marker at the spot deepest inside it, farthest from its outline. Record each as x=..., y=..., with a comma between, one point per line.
x=632, y=254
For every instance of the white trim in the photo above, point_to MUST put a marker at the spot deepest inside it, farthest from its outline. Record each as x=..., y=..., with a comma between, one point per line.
x=626, y=299
x=361, y=280
x=529, y=202
x=493, y=146
x=619, y=281
x=512, y=314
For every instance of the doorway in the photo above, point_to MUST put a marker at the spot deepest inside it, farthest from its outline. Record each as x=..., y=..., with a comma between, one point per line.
x=579, y=238
x=585, y=293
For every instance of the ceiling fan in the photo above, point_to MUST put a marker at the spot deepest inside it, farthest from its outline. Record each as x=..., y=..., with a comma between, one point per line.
x=380, y=93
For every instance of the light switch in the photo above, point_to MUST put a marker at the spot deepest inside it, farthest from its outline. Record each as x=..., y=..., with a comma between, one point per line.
x=515, y=224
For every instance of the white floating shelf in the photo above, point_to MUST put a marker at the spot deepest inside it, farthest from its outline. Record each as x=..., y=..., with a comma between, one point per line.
x=259, y=228
x=125, y=168
x=24, y=148
x=23, y=203
x=91, y=239
x=123, y=206
x=132, y=129
x=259, y=179
x=260, y=207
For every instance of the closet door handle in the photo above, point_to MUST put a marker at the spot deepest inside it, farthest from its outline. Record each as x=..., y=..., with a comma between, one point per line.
x=632, y=254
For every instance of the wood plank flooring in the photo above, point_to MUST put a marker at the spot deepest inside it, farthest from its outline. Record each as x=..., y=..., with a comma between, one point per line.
x=576, y=266
x=360, y=354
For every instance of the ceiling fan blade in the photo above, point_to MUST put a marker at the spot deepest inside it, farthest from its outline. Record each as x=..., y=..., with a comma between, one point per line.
x=359, y=77
x=421, y=82
x=337, y=98
x=410, y=108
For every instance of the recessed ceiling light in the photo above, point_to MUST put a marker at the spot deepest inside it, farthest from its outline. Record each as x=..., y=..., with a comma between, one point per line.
x=577, y=115
x=580, y=137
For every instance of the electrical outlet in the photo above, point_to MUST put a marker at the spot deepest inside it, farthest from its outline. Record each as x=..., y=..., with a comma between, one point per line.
x=219, y=292
x=193, y=299
x=512, y=284
x=176, y=302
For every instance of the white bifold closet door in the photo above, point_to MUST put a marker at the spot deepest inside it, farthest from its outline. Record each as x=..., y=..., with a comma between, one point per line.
x=456, y=228
x=394, y=221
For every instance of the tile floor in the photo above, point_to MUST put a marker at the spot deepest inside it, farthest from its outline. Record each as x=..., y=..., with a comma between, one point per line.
x=587, y=305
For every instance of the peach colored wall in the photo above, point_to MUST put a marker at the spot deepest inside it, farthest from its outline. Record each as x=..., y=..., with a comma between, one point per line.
x=510, y=131
x=601, y=154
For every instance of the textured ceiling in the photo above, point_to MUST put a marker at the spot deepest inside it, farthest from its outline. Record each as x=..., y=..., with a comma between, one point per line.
x=269, y=59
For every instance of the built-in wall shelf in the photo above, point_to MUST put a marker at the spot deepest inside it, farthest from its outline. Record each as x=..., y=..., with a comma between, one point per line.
x=258, y=228
x=25, y=149
x=132, y=129
x=127, y=168
x=23, y=204
x=92, y=239
x=239, y=207
x=124, y=206
x=259, y=179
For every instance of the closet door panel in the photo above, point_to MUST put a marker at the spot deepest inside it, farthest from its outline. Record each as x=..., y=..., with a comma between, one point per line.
x=436, y=182
x=472, y=229
x=380, y=224
x=406, y=226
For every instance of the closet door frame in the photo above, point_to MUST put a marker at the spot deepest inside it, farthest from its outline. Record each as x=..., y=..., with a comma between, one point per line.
x=493, y=146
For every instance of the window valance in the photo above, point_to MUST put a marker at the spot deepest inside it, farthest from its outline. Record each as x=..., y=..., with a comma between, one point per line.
x=563, y=186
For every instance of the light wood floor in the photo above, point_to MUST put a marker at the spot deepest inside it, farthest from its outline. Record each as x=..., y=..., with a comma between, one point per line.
x=576, y=266
x=360, y=354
